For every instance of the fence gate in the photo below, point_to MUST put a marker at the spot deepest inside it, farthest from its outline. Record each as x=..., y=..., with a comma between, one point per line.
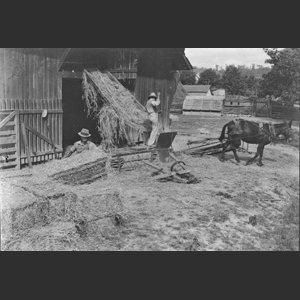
x=9, y=140
x=26, y=137
x=262, y=109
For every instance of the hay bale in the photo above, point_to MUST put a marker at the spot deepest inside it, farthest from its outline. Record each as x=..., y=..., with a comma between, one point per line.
x=82, y=174
x=55, y=237
x=113, y=106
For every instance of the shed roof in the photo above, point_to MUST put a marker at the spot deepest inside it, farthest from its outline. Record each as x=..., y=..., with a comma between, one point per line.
x=197, y=88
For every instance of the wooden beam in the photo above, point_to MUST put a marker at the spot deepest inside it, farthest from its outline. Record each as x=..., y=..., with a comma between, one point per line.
x=18, y=144
x=7, y=150
x=40, y=136
x=8, y=140
x=23, y=130
x=7, y=119
x=64, y=56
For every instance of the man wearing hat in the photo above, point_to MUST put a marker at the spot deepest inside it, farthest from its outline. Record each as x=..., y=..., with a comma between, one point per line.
x=83, y=145
x=152, y=109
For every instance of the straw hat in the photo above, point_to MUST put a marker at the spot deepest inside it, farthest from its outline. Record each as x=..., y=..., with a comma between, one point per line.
x=152, y=95
x=84, y=133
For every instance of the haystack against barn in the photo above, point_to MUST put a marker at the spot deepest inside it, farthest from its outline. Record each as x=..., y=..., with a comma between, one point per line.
x=35, y=79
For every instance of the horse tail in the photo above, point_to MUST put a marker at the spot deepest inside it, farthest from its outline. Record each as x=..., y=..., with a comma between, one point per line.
x=222, y=137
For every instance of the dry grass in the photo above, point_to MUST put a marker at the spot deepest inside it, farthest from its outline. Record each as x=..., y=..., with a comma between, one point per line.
x=287, y=233
x=113, y=106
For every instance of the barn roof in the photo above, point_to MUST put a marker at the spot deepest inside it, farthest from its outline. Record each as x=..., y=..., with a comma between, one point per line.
x=75, y=58
x=197, y=88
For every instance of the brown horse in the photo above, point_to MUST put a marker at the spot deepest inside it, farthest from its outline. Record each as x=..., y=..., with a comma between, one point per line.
x=253, y=133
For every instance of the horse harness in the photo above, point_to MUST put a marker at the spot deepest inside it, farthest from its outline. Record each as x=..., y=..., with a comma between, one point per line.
x=271, y=134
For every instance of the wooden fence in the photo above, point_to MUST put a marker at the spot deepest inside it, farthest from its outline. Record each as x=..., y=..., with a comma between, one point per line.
x=43, y=136
x=275, y=110
x=238, y=106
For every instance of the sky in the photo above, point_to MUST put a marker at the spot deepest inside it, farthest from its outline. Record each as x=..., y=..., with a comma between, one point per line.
x=210, y=57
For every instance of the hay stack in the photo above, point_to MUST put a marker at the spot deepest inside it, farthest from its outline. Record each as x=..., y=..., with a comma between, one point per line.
x=113, y=106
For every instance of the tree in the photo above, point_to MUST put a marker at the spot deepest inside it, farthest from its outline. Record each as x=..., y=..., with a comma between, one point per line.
x=210, y=77
x=284, y=78
x=188, y=78
x=233, y=81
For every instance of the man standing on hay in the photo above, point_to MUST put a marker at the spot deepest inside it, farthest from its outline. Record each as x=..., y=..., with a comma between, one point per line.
x=83, y=145
x=152, y=109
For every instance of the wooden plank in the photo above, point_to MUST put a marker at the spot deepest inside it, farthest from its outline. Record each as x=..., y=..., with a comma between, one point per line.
x=7, y=150
x=5, y=112
x=12, y=157
x=8, y=140
x=238, y=105
x=62, y=59
x=40, y=154
x=40, y=135
x=34, y=125
x=18, y=146
x=2, y=96
x=10, y=164
x=23, y=131
x=7, y=119
x=40, y=111
x=10, y=124
x=38, y=127
x=29, y=123
x=7, y=132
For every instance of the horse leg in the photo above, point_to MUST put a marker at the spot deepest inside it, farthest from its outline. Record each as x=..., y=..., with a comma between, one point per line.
x=225, y=146
x=236, y=146
x=261, y=153
x=250, y=161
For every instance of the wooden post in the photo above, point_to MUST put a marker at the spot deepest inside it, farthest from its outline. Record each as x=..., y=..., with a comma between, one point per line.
x=254, y=107
x=26, y=144
x=269, y=107
x=18, y=144
x=50, y=137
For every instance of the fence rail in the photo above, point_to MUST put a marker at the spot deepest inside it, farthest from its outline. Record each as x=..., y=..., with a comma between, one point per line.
x=44, y=130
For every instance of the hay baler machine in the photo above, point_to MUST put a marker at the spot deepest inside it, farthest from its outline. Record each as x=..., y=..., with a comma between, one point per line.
x=211, y=146
x=163, y=150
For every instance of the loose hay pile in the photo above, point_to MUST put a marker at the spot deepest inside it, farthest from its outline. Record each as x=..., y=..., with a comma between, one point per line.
x=114, y=107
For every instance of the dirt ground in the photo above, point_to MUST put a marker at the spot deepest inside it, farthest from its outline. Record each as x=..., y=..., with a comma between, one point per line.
x=212, y=215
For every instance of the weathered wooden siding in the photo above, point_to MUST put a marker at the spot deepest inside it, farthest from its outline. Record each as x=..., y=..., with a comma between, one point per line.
x=30, y=82
x=30, y=73
x=122, y=63
x=238, y=107
x=155, y=75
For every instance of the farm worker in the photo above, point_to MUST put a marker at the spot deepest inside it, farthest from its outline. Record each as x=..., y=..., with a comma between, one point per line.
x=83, y=145
x=152, y=109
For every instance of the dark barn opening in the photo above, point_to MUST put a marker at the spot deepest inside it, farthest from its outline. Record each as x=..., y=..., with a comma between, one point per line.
x=75, y=113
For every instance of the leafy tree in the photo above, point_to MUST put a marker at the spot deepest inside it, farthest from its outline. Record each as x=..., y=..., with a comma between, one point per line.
x=188, y=78
x=284, y=78
x=210, y=77
x=233, y=81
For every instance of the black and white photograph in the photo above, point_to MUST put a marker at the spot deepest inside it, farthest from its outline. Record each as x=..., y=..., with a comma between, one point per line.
x=149, y=149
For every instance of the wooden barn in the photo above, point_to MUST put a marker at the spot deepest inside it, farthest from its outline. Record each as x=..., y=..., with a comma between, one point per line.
x=33, y=80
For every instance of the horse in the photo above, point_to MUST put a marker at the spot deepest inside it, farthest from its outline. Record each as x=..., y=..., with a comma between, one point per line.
x=253, y=133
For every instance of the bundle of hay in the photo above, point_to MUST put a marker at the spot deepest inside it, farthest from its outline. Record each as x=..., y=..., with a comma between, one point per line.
x=114, y=107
